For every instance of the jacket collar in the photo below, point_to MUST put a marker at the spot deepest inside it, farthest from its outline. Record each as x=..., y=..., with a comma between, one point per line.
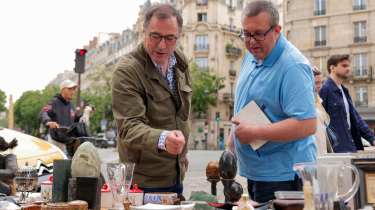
x=333, y=86
x=142, y=55
x=62, y=99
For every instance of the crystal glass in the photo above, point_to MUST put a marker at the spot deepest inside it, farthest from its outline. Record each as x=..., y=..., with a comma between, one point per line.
x=129, y=170
x=114, y=175
x=119, y=178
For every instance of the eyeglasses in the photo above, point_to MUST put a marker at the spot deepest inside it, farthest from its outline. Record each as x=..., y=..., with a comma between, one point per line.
x=169, y=39
x=256, y=36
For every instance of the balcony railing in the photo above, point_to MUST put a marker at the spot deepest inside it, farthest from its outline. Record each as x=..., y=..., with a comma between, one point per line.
x=359, y=7
x=232, y=73
x=232, y=52
x=320, y=43
x=360, y=39
x=319, y=12
x=201, y=47
x=364, y=74
x=227, y=97
x=361, y=103
x=202, y=2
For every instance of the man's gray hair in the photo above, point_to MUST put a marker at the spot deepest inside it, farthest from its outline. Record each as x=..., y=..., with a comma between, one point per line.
x=254, y=8
x=162, y=11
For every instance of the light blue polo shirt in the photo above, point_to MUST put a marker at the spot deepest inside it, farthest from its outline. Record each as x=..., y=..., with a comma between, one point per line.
x=282, y=86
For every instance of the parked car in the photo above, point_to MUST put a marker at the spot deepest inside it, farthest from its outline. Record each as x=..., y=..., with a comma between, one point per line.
x=34, y=151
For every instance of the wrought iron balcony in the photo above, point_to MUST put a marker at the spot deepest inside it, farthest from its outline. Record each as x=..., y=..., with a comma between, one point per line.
x=320, y=43
x=232, y=51
x=361, y=103
x=319, y=12
x=227, y=97
x=359, y=7
x=201, y=47
x=360, y=39
x=232, y=73
x=364, y=74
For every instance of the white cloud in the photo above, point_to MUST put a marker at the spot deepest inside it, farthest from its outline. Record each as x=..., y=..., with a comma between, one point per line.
x=38, y=38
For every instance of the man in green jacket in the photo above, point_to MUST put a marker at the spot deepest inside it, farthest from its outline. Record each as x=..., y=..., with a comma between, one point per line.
x=151, y=96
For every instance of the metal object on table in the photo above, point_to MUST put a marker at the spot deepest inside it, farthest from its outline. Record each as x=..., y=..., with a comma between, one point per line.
x=26, y=180
x=225, y=171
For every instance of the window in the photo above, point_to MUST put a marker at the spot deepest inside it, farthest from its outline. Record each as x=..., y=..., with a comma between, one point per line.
x=361, y=96
x=232, y=27
x=320, y=36
x=202, y=62
x=360, y=32
x=320, y=7
x=202, y=17
x=321, y=64
x=201, y=43
x=359, y=5
x=360, y=65
x=202, y=2
x=231, y=3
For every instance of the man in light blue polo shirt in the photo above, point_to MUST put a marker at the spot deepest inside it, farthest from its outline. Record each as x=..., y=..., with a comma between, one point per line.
x=279, y=79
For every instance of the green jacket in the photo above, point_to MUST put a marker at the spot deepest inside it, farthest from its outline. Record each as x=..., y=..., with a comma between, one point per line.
x=144, y=106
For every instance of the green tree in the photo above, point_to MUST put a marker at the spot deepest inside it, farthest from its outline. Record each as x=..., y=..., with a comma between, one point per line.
x=28, y=107
x=99, y=95
x=3, y=99
x=205, y=87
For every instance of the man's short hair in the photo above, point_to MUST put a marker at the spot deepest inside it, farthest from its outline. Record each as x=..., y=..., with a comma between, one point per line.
x=162, y=11
x=335, y=59
x=256, y=7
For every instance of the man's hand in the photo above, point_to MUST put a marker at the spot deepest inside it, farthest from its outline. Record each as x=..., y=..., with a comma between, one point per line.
x=52, y=125
x=244, y=132
x=175, y=142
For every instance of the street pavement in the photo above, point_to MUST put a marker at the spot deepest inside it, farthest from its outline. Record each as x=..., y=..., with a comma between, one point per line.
x=195, y=179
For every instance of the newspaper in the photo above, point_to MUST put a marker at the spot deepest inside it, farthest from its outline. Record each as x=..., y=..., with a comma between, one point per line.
x=252, y=114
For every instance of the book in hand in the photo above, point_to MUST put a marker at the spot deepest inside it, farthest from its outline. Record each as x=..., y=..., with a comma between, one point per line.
x=252, y=114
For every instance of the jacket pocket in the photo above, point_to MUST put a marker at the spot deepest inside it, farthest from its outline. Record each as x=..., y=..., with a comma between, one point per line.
x=186, y=93
x=160, y=108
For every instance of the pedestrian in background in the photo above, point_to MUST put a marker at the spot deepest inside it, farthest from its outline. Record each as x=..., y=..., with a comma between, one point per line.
x=345, y=120
x=151, y=96
x=278, y=78
x=323, y=145
x=59, y=112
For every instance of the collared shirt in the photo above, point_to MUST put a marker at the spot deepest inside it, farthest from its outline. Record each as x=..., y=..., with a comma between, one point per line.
x=170, y=74
x=346, y=104
x=172, y=86
x=282, y=86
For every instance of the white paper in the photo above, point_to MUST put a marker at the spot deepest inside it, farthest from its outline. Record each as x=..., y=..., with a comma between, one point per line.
x=252, y=114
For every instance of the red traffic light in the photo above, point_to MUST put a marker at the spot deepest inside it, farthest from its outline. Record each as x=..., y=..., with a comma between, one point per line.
x=82, y=52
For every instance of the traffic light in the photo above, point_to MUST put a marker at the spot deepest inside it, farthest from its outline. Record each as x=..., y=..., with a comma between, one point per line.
x=80, y=60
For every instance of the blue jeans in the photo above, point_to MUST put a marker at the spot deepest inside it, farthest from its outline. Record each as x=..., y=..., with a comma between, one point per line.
x=177, y=188
x=264, y=191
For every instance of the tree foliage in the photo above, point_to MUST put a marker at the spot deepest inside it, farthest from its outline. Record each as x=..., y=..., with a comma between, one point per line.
x=205, y=87
x=28, y=107
x=99, y=95
x=3, y=99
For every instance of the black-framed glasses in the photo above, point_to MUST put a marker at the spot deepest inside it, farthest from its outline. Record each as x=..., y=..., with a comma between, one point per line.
x=169, y=39
x=246, y=36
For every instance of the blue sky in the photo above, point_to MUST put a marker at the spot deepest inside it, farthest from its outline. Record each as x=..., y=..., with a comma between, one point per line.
x=38, y=38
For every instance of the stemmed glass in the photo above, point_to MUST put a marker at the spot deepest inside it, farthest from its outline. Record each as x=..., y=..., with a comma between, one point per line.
x=129, y=169
x=119, y=177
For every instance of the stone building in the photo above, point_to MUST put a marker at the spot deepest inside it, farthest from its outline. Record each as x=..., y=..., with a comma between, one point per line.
x=321, y=28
